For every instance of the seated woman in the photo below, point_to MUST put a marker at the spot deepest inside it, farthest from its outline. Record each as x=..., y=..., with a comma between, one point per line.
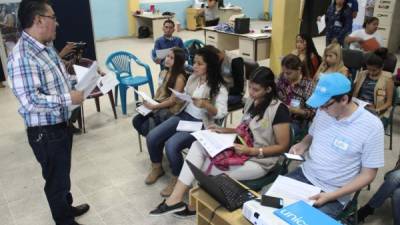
x=294, y=88
x=374, y=85
x=232, y=70
x=332, y=61
x=206, y=86
x=265, y=118
x=389, y=188
x=357, y=37
x=174, y=77
x=306, y=51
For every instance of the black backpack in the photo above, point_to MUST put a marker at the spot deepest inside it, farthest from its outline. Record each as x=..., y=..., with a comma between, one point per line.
x=144, y=32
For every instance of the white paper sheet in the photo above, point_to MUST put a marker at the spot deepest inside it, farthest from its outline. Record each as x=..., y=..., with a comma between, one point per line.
x=162, y=53
x=143, y=110
x=88, y=81
x=293, y=156
x=80, y=71
x=189, y=126
x=214, y=143
x=182, y=96
x=107, y=83
x=321, y=24
x=292, y=190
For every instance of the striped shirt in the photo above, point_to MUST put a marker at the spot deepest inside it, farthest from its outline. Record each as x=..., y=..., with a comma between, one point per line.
x=40, y=82
x=340, y=148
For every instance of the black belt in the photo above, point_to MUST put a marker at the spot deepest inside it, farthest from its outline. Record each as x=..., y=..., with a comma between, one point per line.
x=57, y=126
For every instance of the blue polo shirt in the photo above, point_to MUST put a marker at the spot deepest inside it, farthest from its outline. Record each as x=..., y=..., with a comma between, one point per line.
x=165, y=43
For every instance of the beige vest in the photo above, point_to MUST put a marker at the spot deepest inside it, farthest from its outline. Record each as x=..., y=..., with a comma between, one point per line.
x=263, y=132
x=162, y=94
x=379, y=91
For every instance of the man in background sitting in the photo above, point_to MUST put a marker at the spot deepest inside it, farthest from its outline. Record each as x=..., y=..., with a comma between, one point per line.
x=165, y=42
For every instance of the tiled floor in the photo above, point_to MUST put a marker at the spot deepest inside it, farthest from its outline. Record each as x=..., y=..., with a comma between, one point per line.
x=108, y=170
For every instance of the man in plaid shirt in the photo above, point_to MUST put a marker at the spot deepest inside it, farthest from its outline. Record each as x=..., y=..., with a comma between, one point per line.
x=44, y=90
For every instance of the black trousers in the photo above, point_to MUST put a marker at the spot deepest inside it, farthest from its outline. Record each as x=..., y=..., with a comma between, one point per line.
x=52, y=146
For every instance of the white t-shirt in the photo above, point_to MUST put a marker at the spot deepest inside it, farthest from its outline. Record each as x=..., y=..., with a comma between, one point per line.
x=362, y=34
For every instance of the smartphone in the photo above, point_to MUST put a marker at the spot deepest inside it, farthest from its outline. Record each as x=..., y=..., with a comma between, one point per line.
x=270, y=201
x=294, y=157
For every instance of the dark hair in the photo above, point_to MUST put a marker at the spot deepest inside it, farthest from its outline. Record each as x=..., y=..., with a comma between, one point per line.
x=213, y=49
x=214, y=77
x=310, y=49
x=369, y=20
x=293, y=62
x=28, y=9
x=177, y=68
x=376, y=58
x=264, y=77
x=169, y=21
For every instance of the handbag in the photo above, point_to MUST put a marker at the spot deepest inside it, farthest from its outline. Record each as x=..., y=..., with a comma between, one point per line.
x=229, y=157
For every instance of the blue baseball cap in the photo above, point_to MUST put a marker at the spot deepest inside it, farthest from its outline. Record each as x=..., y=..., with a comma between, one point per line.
x=329, y=85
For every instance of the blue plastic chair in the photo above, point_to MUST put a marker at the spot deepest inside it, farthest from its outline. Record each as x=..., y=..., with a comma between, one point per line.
x=189, y=43
x=120, y=64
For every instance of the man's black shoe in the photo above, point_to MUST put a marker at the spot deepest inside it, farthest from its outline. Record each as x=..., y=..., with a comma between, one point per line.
x=80, y=210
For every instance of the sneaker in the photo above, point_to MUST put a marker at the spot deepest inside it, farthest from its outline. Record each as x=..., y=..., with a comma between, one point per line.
x=186, y=213
x=164, y=209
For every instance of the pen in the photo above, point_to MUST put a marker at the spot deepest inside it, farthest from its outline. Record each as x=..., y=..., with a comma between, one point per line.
x=241, y=140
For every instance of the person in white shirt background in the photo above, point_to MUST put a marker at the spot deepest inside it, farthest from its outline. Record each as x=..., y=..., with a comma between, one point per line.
x=370, y=27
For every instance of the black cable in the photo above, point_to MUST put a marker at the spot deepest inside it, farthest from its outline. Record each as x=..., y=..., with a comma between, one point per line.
x=213, y=214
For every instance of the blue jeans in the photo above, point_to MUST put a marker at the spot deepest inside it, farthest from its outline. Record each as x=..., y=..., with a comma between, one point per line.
x=52, y=146
x=389, y=188
x=174, y=141
x=332, y=209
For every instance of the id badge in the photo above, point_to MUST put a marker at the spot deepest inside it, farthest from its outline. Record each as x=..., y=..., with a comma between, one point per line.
x=341, y=143
x=295, y=103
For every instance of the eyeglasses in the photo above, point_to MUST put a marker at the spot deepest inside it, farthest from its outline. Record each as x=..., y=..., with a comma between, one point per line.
x=328, y=104
x=51, y=17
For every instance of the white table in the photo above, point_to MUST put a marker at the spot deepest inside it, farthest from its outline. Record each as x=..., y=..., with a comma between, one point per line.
x=153, y=21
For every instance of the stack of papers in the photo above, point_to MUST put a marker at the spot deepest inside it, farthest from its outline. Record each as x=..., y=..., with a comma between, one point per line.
x=292, y=190
x=214, y=143
x=189, y=126
x=143, y=110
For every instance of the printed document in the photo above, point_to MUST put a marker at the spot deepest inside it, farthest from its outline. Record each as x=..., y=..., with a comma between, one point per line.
x=182, y=96
x=321, y=24
x=87, y=81
x=80, y=71
x=143, y=109
x=189, y=126
x=292, y=190
x=107, y=83
x=162, y=53
x=213, y=142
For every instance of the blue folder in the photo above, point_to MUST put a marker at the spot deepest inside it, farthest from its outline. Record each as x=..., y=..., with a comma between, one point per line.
x=300, y=213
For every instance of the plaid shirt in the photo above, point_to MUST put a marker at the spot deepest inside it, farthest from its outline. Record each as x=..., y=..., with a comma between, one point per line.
x=40, y=82
x=300, y=91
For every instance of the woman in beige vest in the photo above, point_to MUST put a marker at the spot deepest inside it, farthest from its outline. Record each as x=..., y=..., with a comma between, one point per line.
x=332, y=61
x=267, y=120
x=374, y=85
x=174, y=77
x=209, y=103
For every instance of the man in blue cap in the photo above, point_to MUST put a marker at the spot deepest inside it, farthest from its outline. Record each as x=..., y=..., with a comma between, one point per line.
x=345, y=145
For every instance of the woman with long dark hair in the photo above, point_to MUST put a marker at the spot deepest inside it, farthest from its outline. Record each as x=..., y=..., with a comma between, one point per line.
x=209, y=103
x=308, y=54
x=174, y=77
x=266, y=131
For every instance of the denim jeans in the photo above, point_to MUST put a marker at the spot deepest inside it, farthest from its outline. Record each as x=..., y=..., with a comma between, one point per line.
x=52, y=146
x=389, y=188
x=332, y=209
x=174, y=141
